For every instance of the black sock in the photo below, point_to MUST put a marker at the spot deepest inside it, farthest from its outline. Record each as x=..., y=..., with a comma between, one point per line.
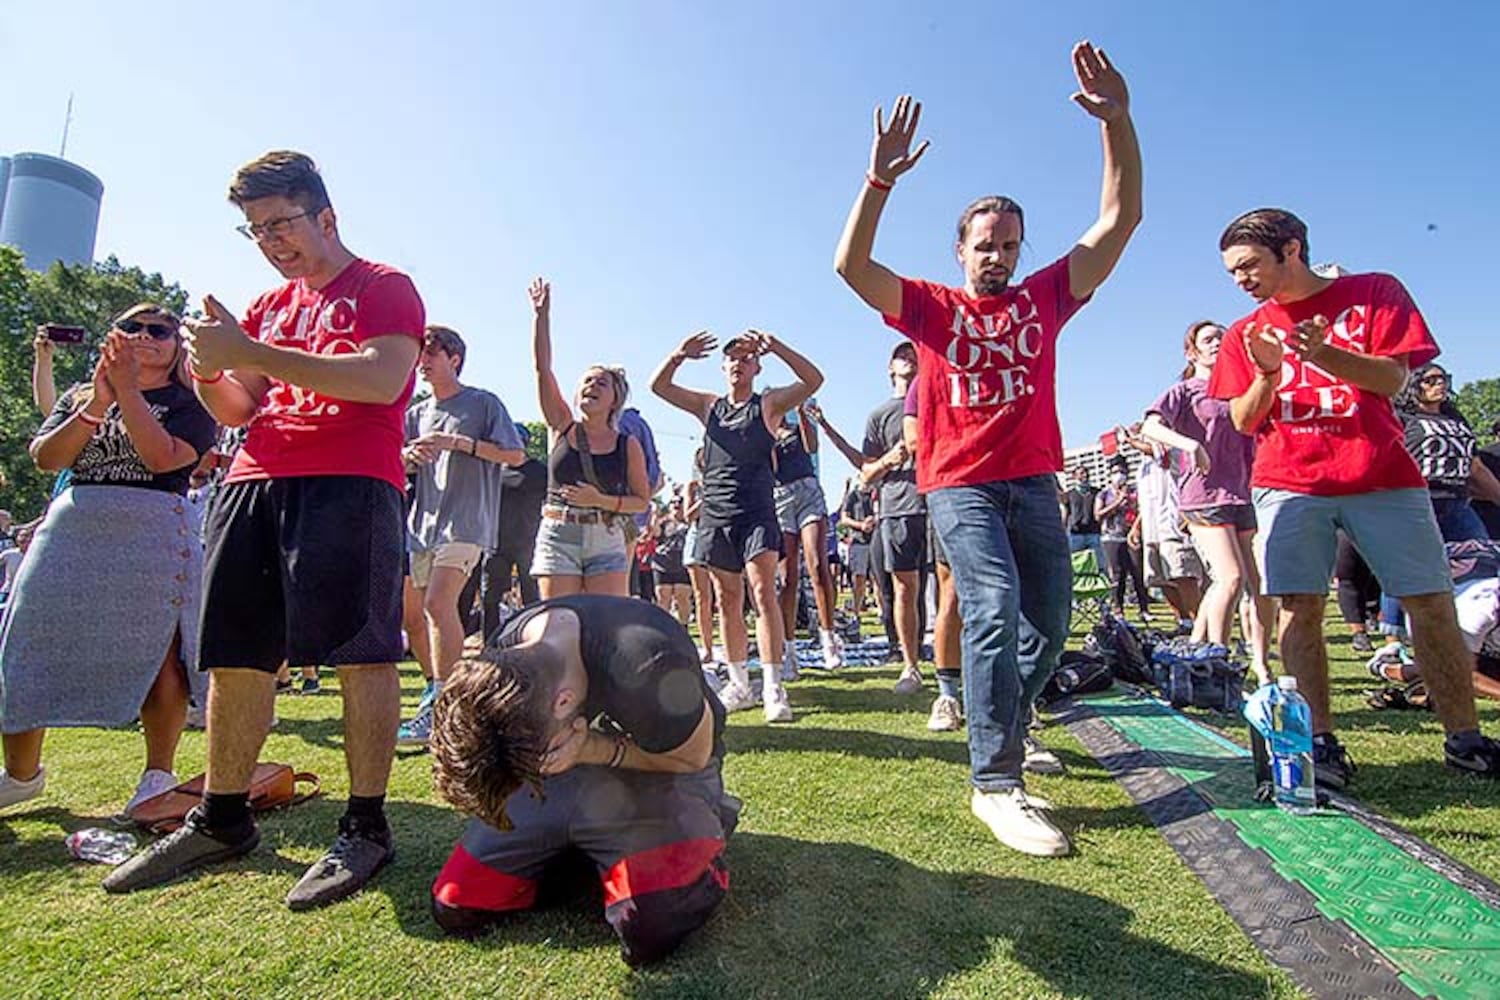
x=226, y=812
x=367, y=812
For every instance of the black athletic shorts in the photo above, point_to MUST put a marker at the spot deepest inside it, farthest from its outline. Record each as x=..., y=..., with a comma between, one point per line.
x=903, y=542
x=305, y=569
x=730, y=547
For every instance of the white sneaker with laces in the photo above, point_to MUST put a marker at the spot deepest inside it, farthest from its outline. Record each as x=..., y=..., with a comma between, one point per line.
x=13, y=791
x=833, y=651
x=946, y=715
x=1019, y=823
x=1040, y=760
x=778, y=708
x=910, y=681
x=790, y=669
x=152, y=783
x=737, y=698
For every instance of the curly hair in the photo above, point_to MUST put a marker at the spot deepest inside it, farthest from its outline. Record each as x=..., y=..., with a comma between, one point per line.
x=1405, y=401
x=491, y=727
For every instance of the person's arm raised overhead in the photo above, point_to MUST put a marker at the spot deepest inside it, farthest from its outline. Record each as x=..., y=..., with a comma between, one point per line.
x=841, y=444
x=555, y=409
x=692, y=401
x=779, y=401
x=891, y=156
x=1103, y=94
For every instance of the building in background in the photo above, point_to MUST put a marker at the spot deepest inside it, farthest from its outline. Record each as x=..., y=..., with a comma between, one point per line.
x=1093, y=458
x=49, y=209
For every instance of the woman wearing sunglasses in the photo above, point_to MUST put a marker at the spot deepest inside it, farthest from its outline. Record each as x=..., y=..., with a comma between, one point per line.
x=596, y=475
x=102, y=625
x=1443, y=443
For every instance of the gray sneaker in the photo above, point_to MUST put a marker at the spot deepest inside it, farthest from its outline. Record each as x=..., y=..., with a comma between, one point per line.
x=910, y=681
x=351, y=862
x=13, y=792
x=186, y=849
x=416, y=731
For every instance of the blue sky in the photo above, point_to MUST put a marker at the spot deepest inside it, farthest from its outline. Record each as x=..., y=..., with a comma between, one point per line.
x=673, y=166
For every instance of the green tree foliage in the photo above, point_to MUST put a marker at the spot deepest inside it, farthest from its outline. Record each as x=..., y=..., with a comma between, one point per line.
x=81, y=295
x=536, y=445
x=1479, y=401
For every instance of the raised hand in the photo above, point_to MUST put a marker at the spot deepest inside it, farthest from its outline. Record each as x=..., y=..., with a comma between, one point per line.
x=892, y=155
x=698, y=346
x=541, y=296
x=1264, y=347
x=104, y=393
x=1308, y=337
x=763, y=343
x=217, y=342
x=122, y=364
x=1101, y=88
x=42, y=344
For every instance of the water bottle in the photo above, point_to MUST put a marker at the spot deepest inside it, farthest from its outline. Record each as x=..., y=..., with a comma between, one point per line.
x=106, y=847
x=1291, y=749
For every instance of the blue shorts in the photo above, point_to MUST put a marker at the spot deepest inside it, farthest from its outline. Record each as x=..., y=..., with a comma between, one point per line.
x=567, y=548
x=799, y=504
x=1394, y=530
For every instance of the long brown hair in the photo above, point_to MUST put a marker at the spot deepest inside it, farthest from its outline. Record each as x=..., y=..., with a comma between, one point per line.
x=84, y=393
x=1190, y=344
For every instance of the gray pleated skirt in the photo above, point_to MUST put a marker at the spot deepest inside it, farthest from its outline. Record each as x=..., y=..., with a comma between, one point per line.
x=113, y=573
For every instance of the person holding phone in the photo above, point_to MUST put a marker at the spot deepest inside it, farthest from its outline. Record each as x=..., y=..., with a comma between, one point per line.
x=120, y=540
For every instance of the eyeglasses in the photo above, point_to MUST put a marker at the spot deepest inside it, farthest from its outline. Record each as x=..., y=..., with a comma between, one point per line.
x=272, y=228
x=157, y=331
x=1434, y=380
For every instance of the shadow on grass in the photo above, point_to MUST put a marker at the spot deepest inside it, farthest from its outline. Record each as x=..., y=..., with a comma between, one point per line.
x=855, y=742
x=32, y=854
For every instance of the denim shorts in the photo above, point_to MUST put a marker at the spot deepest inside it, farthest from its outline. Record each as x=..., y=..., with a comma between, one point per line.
x=1239, y=516
x=566, y=548
x=799, y=503
x=1394, y=530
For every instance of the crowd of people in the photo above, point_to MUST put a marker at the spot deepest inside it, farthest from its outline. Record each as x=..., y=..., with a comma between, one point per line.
x=346, y=526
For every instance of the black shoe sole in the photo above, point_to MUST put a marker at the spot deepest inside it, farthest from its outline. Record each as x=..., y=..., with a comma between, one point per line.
x=1456, y=763
x=228, y=853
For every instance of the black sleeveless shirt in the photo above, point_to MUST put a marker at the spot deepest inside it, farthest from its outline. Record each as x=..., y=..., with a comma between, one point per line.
x=737, y=478
x=792, y=460
x=565, y=468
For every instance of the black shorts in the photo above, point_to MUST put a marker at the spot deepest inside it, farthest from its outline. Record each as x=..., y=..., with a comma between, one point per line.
x=903, y=542
x=305, y=569
x=730, y=547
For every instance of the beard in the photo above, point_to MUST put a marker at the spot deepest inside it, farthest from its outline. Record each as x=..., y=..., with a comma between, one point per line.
x=992, y=283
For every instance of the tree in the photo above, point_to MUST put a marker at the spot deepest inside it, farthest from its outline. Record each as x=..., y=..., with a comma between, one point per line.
x=86, y=295
x=536, y=444
x=1479, y=401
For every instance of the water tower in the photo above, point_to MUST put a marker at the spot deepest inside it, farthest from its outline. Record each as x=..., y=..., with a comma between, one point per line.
x=50, y=211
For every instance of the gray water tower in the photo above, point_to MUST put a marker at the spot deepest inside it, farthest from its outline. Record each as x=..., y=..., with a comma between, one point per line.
x=51, y=210
x=4, y=180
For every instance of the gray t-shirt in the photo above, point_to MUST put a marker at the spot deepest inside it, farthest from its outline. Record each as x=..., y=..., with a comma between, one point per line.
x=898, y=490
x=457, y=496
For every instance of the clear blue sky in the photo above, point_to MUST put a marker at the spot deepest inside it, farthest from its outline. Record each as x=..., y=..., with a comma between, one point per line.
x=673, y=166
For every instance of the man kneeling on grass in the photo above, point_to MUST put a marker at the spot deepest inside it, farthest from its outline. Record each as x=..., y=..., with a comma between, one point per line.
x=586, y=726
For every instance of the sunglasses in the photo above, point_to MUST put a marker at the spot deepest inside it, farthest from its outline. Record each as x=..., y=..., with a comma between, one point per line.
x=1434, y=380
x=157, y=331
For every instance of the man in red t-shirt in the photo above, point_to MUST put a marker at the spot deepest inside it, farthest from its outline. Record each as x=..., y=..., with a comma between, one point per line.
x=305, y=540
x=1310, y=374
x=989, y=444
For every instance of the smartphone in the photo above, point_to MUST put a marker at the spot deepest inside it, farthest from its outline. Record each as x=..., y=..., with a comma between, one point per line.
x=60, y=333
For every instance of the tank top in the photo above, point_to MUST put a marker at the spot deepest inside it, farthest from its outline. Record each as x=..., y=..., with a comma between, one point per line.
x=565, y=468
x=792, y=460
x=737, y=478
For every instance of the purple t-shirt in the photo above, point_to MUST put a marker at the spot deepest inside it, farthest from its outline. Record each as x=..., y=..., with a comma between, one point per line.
x=910, y=409
x=1188, y=409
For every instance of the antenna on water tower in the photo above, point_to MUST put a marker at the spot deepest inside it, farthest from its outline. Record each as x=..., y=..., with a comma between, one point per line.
x=62, y=152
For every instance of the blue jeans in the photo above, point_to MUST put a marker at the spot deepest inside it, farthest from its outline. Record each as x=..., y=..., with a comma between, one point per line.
x=1008, y=551
x=1077, y=543
x=1457, y=522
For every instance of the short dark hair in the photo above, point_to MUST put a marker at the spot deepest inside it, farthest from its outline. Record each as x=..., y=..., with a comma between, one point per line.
x=490, y=728
x=1271, y=228
x=284, y=173
x=996, y=203
x=448, y=340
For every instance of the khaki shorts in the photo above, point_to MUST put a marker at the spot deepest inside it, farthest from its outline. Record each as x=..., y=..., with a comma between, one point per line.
x=462, y=556
x=1172, y=560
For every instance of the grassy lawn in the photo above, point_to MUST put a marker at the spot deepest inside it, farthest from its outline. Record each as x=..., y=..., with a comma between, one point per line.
x=857, y=872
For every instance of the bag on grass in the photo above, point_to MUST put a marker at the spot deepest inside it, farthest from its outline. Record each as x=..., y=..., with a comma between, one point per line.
x=1199, y=674
x=1077, y=673
x=1116, y=643
x=272, y=786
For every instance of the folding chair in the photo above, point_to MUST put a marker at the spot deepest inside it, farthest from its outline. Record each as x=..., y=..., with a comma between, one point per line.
x=1091, y=589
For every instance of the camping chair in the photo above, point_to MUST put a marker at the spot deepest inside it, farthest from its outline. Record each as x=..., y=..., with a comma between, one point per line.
x=1091, y=589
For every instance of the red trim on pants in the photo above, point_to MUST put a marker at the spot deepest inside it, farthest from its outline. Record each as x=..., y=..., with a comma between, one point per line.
x=671, y=866
x=471, y=884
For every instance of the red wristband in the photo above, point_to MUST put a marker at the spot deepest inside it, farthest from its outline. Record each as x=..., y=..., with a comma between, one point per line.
x=205, y=381
x=877, y=183
x=89, y=418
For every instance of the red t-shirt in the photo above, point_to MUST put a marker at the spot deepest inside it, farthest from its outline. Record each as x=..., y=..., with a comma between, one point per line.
x=1323, y=436
x=987, y=371
x=298, y=432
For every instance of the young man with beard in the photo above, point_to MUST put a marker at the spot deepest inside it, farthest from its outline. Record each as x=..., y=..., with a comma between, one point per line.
x=990, y=445
x=303, y=559
x=1311, y=373
x=456, y=442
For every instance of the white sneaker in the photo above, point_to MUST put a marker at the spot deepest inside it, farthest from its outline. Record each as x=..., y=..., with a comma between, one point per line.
x=152, y=783
x=790, y=670
x=778, y=708
x=1040, y=760
x=713, y=680
x=737, y=698
x=1019, y=823
x=910, y=681
x=13, y=791
x=197, y=717
x=946, y=716
x=833, y=651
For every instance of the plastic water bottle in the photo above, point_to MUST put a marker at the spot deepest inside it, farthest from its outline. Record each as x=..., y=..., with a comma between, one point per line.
x=1291, y=749
x=106, y=847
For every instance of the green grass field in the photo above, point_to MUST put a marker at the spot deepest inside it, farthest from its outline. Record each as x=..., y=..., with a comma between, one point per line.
x=857, y=871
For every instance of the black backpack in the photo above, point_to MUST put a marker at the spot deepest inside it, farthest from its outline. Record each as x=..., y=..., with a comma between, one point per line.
x=1117, y=644
x=1077, y=673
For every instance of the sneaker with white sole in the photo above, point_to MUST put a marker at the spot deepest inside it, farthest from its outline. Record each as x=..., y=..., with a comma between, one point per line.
x=778, y=708
x=1040, y=760
x=153, y=782
x=910, y=681
x=833, y=651
x=1019, y=822
x=737, y=698
x=416, y=731
x=947, y=716
x=790, y=669
x=197, y=717
x=13, y=792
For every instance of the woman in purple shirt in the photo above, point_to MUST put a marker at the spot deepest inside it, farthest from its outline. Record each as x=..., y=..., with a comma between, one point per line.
x=1215, y=493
